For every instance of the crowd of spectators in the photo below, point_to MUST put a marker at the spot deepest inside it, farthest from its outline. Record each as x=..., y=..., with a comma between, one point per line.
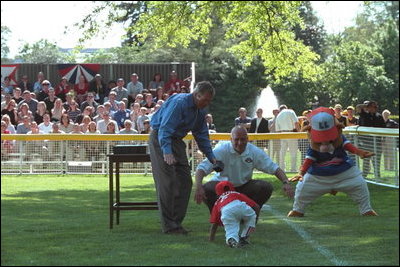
x=87, y=101
x=88, y=107
x=97, y=107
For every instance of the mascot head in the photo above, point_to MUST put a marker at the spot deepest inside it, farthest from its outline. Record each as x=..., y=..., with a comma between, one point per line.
x=223, y=187
x=324, y=130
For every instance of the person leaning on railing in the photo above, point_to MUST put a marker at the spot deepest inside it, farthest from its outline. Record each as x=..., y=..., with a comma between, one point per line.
x=389, y=143
x=369, y=117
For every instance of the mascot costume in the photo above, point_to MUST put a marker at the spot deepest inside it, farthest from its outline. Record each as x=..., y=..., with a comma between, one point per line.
x=327, y=167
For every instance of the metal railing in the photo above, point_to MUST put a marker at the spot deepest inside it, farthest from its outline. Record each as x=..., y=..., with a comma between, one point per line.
x=77, y=153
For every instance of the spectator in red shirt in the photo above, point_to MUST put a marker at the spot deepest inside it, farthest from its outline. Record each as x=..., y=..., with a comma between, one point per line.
x=62, y=89
x=81, y=89
x=173, y=83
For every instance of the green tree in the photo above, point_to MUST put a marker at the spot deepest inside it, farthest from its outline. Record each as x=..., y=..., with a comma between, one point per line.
x=313, y=33
x=261, y=30
x=237, y=85
x=378, y=27
x=5, y=32
x=295, y=90
x=44, y=51
x=356, y=73
x=101, y=56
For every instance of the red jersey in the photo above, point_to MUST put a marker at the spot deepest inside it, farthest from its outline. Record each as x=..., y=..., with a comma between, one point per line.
x=81, y=91
x=225, y=199
x=171, y=86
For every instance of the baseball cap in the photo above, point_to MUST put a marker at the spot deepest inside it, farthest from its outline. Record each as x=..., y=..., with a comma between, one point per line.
x=223, y=187
x=323, y=128
x=338, y=106
x=350, y=107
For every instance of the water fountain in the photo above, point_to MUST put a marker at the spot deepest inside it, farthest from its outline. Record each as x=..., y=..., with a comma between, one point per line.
x=267, y=101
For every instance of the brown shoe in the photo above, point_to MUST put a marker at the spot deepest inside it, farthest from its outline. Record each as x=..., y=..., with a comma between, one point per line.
x=370, y=213
x=177, y=231
x=294, y=213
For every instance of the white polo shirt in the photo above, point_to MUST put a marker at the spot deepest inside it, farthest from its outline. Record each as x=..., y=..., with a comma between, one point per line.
x=286, y=121
x=46, y=128
x=238, y=167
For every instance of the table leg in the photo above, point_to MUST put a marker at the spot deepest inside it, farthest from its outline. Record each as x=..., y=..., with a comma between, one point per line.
x=117, y=189
x=111, y=192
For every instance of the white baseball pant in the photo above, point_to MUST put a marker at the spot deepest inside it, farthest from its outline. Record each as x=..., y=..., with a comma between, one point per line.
x=236, y=215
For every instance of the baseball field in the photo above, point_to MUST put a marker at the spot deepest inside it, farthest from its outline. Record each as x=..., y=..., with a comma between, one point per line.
x=63, y=220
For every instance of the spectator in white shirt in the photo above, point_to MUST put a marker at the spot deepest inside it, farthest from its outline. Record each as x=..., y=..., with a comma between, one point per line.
x=141, y=118
x=120, y=90
x=134, y=87
x=46, y=126
x=128, y=128
x=102, y=124
x=287, y=121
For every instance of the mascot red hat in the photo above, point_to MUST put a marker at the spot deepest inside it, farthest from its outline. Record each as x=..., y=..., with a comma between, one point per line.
x=223, y=187
x=323, y=126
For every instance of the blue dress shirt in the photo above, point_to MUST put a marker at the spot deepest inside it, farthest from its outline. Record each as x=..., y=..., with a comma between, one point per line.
x=178, y=116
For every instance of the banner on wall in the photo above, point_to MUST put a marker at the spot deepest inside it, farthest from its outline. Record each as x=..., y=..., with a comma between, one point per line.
x=9, y=70
x=73, y=71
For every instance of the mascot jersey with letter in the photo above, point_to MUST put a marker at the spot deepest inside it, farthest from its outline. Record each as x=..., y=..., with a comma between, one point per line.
x=327, y=167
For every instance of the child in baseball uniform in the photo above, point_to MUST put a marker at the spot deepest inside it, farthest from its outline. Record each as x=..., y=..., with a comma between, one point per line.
x=236, y=212
x=327, y=167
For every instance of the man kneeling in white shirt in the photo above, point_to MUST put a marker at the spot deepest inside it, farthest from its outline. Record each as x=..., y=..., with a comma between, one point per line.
x=240, y=158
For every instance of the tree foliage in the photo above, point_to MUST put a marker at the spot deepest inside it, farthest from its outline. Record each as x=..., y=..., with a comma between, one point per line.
x=5, y=32
x=44, y=51
x=313, y=33
x=243, y=46
x=362, y=63
x=295, y=90
x=356, y=73
x=377, y=27
x=257, y=30
x=261, y=30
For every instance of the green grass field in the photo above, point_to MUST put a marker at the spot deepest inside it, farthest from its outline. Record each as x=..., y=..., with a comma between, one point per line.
x=63, y=220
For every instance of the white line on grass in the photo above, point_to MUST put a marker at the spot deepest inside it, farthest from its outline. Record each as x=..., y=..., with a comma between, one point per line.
x=307, y=237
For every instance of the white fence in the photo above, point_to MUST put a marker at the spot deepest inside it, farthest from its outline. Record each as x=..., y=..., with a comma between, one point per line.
x=70, y=153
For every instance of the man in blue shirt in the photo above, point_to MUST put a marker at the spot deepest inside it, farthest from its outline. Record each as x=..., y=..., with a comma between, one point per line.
x=180, y=114
x=122, y=114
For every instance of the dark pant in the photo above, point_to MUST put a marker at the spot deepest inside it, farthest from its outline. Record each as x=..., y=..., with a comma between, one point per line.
x=258, y=190
x=173, y=182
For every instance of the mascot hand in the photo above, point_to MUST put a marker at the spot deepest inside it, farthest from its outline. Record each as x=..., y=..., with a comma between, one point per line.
x=364, y=154
x=297, y=177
